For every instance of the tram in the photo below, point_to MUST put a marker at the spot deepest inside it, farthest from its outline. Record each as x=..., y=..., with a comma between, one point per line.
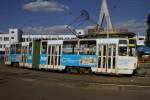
x=100, y=55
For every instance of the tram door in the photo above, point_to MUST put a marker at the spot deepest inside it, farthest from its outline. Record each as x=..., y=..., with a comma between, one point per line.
x=7, y=56
x=54, y=52
x=107, y=58
x=23, y=55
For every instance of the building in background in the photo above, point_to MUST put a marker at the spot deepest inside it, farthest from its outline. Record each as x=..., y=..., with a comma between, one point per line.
x=17, y=35
x=51, y=35
x=13, y=36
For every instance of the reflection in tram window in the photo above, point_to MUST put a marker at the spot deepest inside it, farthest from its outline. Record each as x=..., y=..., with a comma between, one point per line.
x=30, y=48
x=114, y=50
x=44, y=47
x=122, y=51
x=114, y=62
x=110, y=50
x=109, y=62
x=123, y=42
x=88, y=47
x=99, y=62
x=104, y=50
x=13, y=49
x=104, y=62
x=70, y=47
x=18, y=48
x=49, y=50
x=49, y=60
x=132, y=52
x=55, y=50
x=100, y=50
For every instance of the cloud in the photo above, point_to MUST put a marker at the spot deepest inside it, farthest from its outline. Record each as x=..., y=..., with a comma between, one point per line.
x=58, y=29
x=133, y=26
x=45, y=5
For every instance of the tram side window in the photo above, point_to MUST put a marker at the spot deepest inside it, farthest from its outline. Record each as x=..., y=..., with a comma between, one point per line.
x=70, y=47
x=132, y=41
x=44, y=47
x=132, y=52
x=122, y=51
x=18, y=48
x=30, y=48
x=122, y=48
x=124, y=42
x=12, y=49
x=24, y=49
x=88, y=47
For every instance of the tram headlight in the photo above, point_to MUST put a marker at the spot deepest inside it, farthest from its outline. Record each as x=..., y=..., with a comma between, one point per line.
x=88, y=61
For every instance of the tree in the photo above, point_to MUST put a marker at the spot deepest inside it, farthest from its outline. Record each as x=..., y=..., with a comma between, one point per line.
x=148, y=32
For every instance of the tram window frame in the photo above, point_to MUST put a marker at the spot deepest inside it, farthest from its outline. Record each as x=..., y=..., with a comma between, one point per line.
x=44, y=48
x=89, y=45
x=72, y=46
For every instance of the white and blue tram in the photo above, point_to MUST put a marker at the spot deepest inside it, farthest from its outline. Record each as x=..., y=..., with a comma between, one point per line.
x=102, y=55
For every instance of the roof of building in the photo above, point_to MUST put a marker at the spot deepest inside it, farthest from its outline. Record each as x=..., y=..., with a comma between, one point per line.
x=47, y=31
x=3, y=33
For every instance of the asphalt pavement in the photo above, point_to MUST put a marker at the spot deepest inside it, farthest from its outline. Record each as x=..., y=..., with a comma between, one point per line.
x=27, y=84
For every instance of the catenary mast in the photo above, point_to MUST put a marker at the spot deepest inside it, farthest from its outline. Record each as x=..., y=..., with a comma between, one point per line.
x=104, y=14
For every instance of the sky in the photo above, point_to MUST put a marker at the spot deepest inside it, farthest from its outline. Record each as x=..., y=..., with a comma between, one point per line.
x=44, y=14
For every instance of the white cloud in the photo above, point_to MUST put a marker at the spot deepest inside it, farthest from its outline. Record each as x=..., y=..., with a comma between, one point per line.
x=133, y=26
x=45, y=5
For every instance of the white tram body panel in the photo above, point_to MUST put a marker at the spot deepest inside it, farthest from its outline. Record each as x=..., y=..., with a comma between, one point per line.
x=109, y=59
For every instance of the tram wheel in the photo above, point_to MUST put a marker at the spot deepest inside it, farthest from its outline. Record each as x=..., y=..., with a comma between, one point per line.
x=16, y=64
x=82, y=70
x=68, y=69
